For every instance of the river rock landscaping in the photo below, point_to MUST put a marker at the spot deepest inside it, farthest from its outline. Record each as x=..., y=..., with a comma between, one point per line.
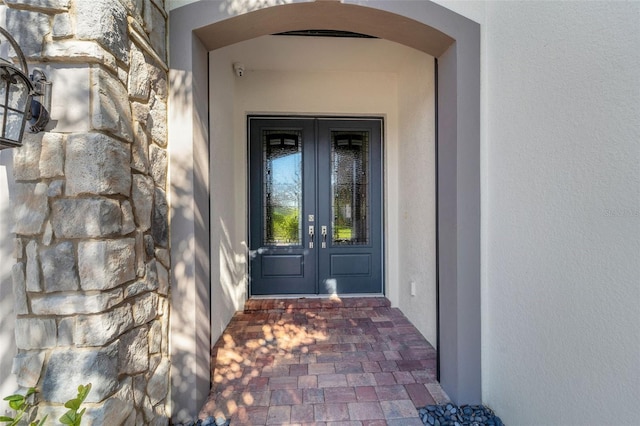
x=453, y=415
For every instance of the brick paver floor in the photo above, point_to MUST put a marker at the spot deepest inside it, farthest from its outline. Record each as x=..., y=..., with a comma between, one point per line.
x=354, y=361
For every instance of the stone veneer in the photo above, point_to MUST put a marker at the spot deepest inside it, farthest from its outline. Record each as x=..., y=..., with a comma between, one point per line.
x=91, y=280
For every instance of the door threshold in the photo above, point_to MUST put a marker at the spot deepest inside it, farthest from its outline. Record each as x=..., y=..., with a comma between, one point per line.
x=314, y=296
x=291, y=303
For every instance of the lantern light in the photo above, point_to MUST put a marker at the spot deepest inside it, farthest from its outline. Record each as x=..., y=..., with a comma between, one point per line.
x=21, y=98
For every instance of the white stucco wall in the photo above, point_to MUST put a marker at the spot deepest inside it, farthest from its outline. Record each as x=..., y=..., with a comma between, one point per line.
x=416, y=215
x=321, y=76
x=8, y=349
x=561, y=210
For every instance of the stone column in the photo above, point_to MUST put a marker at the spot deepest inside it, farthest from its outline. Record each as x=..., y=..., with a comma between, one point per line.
x=91, y=281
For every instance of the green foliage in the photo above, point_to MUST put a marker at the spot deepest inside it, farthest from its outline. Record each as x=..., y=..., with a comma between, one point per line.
x=22, y=405
x=73, y=417
x=285, y=224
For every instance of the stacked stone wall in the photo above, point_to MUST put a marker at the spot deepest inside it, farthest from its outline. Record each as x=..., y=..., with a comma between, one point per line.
x=91, y=280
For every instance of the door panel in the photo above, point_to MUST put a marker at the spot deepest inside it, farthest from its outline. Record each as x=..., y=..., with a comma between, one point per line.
x=350, y=204
x=282, y=151
x=315, y=206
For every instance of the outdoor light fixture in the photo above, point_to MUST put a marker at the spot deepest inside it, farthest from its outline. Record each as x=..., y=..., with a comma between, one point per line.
x=18, y=93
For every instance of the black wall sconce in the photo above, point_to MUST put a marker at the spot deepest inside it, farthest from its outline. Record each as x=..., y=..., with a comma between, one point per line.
x=24, y=99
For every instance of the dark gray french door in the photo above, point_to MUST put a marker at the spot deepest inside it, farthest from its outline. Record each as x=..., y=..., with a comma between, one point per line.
x=315, y=206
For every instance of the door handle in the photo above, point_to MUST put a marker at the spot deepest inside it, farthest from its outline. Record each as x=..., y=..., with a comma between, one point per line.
x=311, y=234
x=324, y=237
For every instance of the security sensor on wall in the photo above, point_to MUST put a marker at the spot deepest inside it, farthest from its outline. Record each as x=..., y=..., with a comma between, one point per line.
x=238, y=68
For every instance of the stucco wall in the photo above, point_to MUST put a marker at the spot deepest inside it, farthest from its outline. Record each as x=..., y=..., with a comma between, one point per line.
x=561, y=210
x=351, y=83
x=416, y=189
x=8, y=349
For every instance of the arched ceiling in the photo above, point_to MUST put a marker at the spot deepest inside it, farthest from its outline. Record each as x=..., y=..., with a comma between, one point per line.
x=326, y=15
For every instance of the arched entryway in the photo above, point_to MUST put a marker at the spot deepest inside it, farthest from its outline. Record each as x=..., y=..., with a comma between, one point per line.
x=201, y=27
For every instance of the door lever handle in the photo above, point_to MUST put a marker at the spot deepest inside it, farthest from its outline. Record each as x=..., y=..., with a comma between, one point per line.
x=324, y=236
x=311, y=234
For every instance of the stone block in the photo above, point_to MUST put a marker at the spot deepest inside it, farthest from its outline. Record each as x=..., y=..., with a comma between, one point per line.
x=72, y=304
x=123, y=75
x=30, y=208
x=117, y=410
x=111, y=111
x=20, y=305
x=157, y=122
x=59, y=270
x=158, y=384
x=155, y=337
x=35, y=333
x=163, y=256
x=26, y=158
x=142, y=192
x=160, y=219
x=55, y=188
x=140, y=149
x=62, y=27
x=27, y=367
x=139, y=83
x=165, y=335
x=163, y=305
x=47, y=236
x=139, y=389
x=78, y=50
x=96, y=366
x=140, y=112
x=134, y=351
x=147, y=411
x=18, y=248
x=29, y=37
x=97, y=330
x=140, y=257
x=163, y=280
x=86, y=218
x=52, y=155
x=71, y=82
x=128, y=222
x=159, y=85
x=158, y=164
x=43, y=5
x=148, y=283
x=155, y=25
x=149, y=246
x=104, y=21
x=97, y=164
x=33, y=267
x=66, y=328
x=106, y=264
x=145, y=308
x=161, y=418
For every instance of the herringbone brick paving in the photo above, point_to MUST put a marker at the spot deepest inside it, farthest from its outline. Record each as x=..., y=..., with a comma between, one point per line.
x=354, y=361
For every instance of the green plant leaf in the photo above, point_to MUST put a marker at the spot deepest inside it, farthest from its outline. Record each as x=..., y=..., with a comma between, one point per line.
x=15, y=397
x=17, y=404
x=31, y=391
x=6, y=419
x=83, y=391
x=73, y=404
x=69, y=418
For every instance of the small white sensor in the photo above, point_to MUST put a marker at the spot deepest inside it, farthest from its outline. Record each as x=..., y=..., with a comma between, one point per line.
x=239, y=69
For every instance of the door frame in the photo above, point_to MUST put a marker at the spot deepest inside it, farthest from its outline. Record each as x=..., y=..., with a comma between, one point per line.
x=382, y=224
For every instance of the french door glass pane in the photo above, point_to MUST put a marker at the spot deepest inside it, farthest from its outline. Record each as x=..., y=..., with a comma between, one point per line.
x=282, y=191
x=350, y=187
